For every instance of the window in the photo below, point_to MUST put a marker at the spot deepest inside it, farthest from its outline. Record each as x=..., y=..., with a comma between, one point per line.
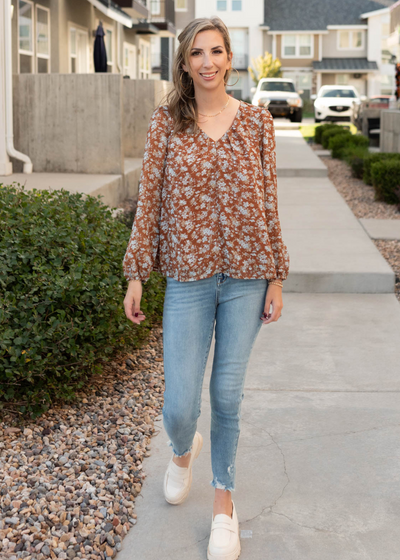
x=234, y=5
x=239, y=48
x=156, y=53
x=25, y=26
x=42, y=40
x=350, y=40
x=78, y=49
x=297, y=46
x=181, y=5
x=144, y=59
x=155, y=7
x=108, y=41
x=342, y=79
x=277, y=86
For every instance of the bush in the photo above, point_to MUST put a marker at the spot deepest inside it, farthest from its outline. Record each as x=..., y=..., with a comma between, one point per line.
x=373, y=158
x=341, y=142
x=319, y=130
x=61, y=295
x=328, y=134
x=355, y=156
x=386, y=179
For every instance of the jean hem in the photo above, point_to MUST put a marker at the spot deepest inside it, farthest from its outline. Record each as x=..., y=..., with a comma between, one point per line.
x=170, y=444
x=219, y=486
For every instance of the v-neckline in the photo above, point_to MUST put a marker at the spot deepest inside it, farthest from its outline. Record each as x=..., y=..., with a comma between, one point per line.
x=227, y=130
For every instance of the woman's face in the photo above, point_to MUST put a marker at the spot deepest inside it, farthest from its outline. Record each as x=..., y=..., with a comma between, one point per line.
x=208, y=60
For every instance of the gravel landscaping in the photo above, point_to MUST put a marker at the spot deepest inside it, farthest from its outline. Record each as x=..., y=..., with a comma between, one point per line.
x=360, y=198
x=69, y=480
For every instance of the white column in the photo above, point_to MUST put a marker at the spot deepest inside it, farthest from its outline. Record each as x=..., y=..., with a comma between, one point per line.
x=5, y=163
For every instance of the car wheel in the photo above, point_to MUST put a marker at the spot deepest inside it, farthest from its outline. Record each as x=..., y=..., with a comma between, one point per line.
x=317, y=120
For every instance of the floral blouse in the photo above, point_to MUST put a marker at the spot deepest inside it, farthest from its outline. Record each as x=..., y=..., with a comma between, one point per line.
x=208, y=206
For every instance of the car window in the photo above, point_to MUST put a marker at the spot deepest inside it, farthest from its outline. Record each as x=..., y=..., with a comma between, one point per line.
x=277, y=86
x=338, y=93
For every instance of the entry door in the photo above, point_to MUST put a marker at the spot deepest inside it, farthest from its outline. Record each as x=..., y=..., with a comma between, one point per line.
x=81, y=52
x=130, y=57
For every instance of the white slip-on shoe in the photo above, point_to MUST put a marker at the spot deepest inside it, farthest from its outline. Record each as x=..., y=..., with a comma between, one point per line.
x=224, y=543
x=178, y=480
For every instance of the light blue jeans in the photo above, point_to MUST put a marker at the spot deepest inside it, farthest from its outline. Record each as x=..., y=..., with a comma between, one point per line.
x=190, y=311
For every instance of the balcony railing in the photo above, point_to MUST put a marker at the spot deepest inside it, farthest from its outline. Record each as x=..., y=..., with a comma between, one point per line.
x=161, y=11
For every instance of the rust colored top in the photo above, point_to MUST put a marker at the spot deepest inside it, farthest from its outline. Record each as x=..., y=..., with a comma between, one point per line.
x=206, y=207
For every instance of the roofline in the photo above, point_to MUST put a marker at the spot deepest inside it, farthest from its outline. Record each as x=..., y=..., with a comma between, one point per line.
x=379, y=12
x=344, y=71
x=355, y=26
x=393, y=6
x=298, y=31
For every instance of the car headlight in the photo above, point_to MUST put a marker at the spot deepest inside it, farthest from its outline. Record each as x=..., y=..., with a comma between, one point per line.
x=263, y=102
x=294, y=102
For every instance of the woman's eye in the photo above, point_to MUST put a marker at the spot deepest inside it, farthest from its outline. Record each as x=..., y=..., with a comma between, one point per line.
x=194, y=53
x=217, y=52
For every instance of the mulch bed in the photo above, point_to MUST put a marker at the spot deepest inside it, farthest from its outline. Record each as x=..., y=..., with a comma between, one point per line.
x=361, y=199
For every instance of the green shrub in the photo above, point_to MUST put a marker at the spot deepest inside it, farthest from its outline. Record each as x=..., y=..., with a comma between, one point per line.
x=355, y=156
x=61, y=295
x=328, y=134
x=373, y=158
x=386, y=179
x=320, y=129
x=341, y=142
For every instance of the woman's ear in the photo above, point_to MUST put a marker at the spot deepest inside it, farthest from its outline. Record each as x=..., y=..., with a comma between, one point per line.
x=184, y=68
x=230, y=60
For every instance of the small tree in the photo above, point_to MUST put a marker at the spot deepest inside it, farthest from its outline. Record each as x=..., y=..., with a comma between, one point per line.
x=265, y=67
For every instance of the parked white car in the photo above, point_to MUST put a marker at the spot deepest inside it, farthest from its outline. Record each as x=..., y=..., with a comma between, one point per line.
x=336, y=103
x=279, y=95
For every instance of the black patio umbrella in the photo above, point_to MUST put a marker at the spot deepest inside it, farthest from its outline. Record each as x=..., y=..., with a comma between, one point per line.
x=99, y=51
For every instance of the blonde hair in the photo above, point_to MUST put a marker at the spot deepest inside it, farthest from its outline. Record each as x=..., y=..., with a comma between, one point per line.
x=180, y=100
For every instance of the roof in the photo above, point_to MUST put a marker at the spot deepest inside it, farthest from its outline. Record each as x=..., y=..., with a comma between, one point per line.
x=316, y=15
x=345, y=64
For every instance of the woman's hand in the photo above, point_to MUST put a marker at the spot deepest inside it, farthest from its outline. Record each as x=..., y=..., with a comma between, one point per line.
x=274, y=298
x=132, y=302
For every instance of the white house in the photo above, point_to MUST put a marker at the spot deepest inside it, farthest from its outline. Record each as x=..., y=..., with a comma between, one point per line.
x=243, y=18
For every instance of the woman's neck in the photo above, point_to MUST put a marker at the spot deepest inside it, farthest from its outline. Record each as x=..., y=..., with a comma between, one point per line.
x=209, y=102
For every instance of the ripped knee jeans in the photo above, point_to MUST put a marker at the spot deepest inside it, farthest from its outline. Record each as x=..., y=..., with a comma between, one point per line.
x=192, y=310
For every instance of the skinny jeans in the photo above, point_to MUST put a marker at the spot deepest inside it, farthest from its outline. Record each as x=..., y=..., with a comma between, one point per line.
x=192, y=310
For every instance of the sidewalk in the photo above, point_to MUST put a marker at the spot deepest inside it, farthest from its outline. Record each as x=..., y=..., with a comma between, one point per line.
x=318, y=456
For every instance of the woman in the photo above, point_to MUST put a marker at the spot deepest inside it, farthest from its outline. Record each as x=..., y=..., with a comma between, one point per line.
x=207, y=219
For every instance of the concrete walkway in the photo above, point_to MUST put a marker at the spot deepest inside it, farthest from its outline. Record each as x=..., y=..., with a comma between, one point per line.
x=318, y=458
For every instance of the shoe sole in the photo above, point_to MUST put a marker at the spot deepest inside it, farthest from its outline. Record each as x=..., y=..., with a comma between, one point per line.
x=183, y=498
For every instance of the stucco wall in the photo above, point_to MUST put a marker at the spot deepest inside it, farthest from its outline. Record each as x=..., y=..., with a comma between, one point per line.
x=140, y=98
x=390, y=131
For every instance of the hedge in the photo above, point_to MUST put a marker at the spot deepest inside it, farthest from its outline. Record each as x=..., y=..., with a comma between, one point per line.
x=355, y=157
x=61, y=295
x=319, y=130
x=373, y=158
x=330, y=133
x=385, y=176
x=341, y=142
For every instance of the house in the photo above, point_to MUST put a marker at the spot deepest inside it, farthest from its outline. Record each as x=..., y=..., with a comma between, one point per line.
x=57, y=36
x=243, y=19
x=394, y=32
x=324, y=42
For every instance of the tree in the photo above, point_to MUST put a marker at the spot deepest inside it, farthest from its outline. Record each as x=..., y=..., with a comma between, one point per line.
x=265, y=67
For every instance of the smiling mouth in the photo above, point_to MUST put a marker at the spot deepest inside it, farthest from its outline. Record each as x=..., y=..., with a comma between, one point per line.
x=208, y=75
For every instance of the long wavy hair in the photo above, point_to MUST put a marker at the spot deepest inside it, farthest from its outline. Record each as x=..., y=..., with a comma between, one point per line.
x=180, y=100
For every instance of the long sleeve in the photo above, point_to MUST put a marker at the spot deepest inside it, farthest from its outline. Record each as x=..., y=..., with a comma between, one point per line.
x=144, y=239
x=268, y=157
